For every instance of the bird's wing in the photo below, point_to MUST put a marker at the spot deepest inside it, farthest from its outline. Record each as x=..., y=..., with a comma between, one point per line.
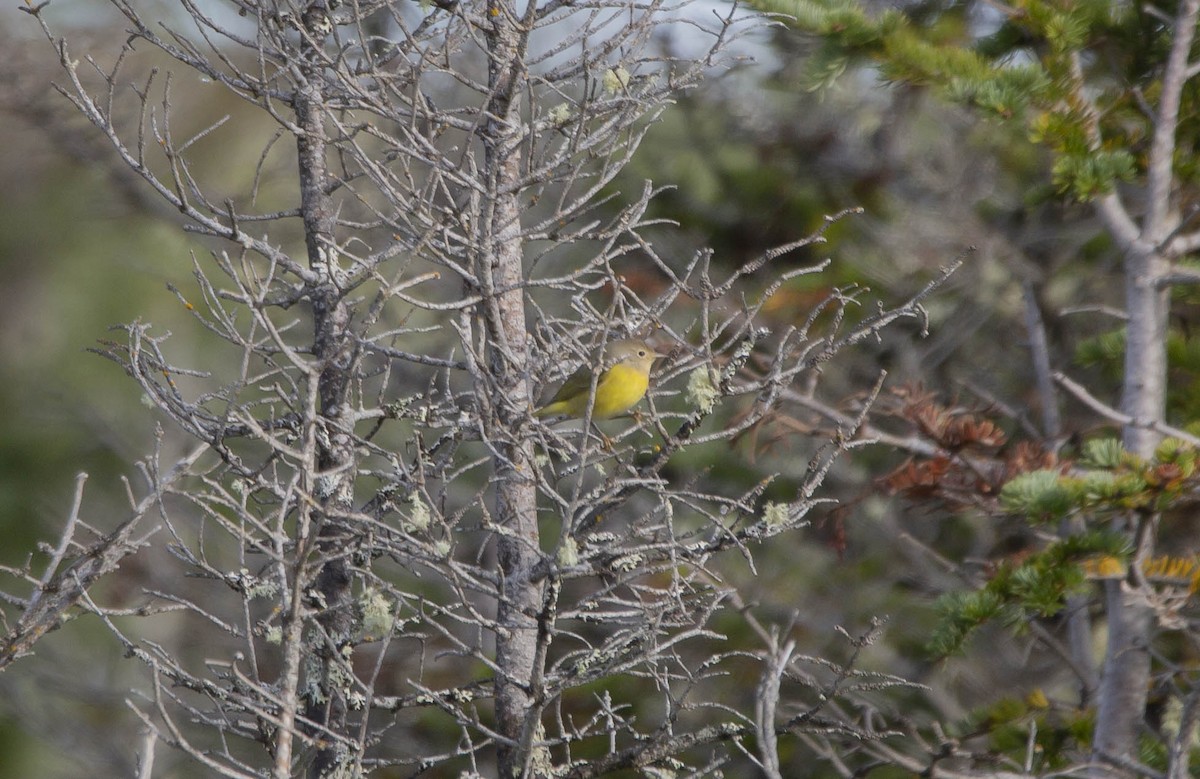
x=578, y=382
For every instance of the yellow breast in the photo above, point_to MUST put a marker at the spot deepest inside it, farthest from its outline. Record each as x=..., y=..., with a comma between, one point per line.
x=620, y=389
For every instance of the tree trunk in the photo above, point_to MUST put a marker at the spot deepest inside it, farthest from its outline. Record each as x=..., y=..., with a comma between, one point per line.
x=1126, y=672
x=1144, y=394
x=500, y=275
x=332, y=472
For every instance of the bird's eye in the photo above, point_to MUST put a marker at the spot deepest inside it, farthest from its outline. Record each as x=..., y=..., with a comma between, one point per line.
x=641, y=352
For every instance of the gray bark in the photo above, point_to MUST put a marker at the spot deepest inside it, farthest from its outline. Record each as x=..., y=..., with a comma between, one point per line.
x=332, y=444
x=1126, y=673
x=503, y=312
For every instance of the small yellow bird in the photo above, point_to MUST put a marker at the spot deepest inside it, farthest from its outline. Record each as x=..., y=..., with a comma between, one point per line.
x=620, y=386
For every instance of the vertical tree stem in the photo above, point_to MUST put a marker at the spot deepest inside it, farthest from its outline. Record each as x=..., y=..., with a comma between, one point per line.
x=504, y=314
x=1126, y=671
x=1130, y=620
x=332, y=474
